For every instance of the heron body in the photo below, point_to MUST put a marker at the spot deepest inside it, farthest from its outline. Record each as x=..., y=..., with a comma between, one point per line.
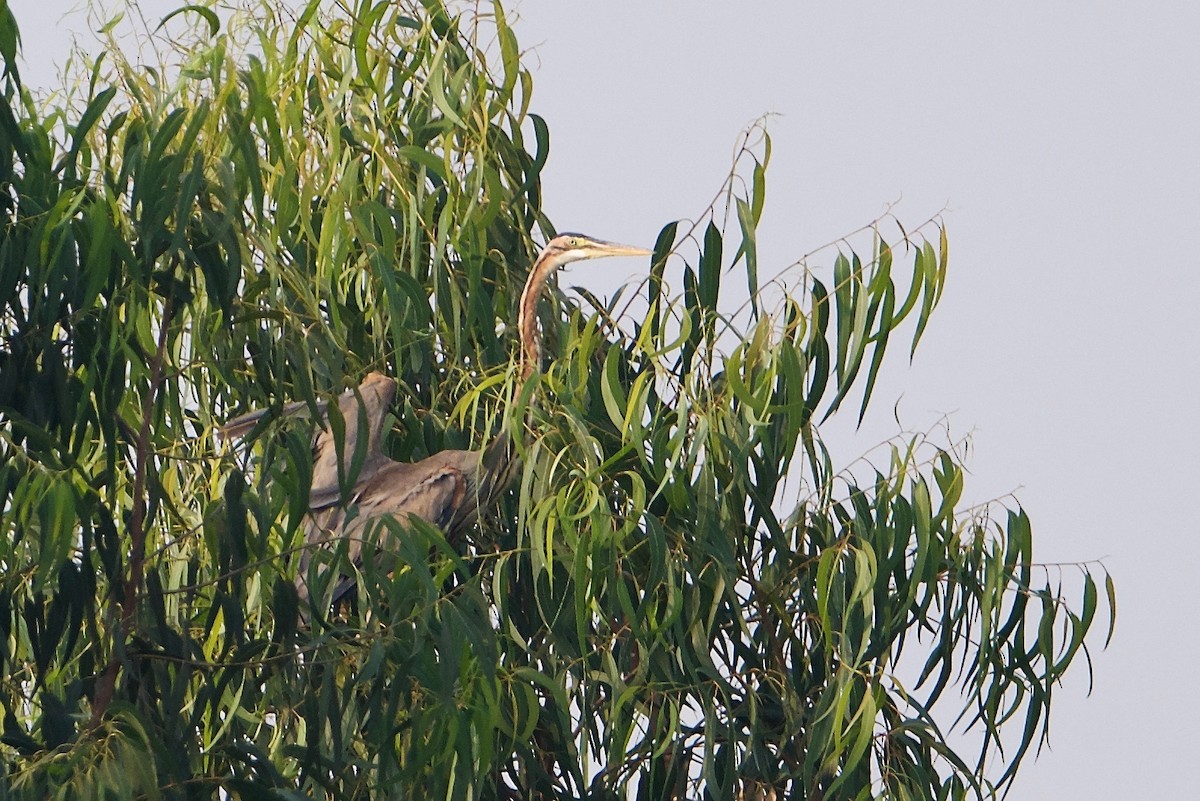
x=447, y=489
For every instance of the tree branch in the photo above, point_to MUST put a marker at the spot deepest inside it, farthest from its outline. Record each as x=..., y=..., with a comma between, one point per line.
x=137, y=520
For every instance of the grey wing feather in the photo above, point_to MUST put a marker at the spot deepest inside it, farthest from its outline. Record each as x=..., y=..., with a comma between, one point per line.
x=333, y=458
x=243, y=424
x=434, y=500
x=431, y=490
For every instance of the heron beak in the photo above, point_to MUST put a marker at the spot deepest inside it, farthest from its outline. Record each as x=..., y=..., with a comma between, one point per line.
x=613, y=249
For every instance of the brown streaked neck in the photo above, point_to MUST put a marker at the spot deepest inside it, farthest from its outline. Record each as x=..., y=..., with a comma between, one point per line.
x=527, y=327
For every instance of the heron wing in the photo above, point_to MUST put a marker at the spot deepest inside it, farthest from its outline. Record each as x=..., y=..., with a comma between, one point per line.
x=243, y=424
x=361, y=410
x=432, y=489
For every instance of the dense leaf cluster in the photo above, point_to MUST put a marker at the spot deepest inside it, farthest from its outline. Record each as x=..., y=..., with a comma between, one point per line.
x=682, y=598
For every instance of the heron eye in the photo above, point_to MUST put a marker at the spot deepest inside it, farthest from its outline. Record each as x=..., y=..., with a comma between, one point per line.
x=575, y=242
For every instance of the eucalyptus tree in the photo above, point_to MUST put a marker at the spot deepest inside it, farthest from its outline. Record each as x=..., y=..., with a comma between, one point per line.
x=683, y=596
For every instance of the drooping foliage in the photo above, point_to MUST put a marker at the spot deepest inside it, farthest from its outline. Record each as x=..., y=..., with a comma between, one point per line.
x=684, y=596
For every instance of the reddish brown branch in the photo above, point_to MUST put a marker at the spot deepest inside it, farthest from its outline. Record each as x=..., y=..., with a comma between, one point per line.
x=137, y=521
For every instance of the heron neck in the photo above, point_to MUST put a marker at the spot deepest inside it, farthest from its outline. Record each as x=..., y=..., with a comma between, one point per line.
x=531, y=339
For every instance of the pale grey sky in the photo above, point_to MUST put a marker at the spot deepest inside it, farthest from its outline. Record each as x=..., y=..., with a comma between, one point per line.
x=1065, y=140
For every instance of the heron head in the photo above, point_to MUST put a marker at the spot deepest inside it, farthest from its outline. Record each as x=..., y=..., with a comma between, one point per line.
x=570, y=247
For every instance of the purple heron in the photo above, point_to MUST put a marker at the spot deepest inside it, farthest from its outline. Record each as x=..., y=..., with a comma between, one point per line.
x=447, y=489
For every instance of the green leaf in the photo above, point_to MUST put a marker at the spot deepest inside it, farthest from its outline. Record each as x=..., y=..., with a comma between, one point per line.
x=10, y=42
x=1111, y=591
x=932, y=280
x=749, y=250
x=423, y=158
x=87, y=121
x=209, y=16
x=710, y=270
